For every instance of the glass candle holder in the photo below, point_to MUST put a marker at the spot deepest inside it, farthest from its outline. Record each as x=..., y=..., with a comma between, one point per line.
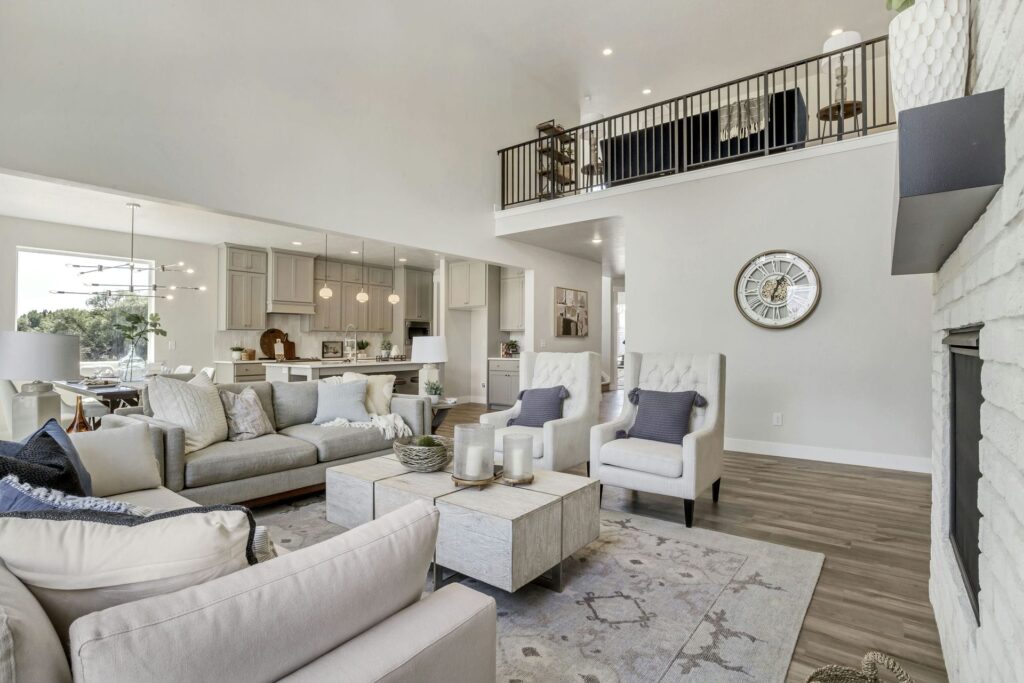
x=517, y=456
x=474, y=452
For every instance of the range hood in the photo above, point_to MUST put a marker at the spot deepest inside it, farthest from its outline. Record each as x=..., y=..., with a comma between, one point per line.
x=952, y=158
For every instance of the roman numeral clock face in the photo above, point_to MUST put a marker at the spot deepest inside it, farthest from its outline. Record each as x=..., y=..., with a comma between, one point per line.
x=777, y=289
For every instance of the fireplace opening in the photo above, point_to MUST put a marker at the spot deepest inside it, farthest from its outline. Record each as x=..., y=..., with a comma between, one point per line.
x=965, y=436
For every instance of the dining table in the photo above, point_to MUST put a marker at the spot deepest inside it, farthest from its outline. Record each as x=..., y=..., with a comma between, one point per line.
x=114, y=396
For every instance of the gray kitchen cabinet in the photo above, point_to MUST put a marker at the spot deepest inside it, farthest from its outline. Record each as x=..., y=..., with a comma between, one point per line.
x=502, y=382
x=242, y=291
x=352, y=272
x=250, y=260
x=353, y=312
x=467, y=285
x=379, y=276
x=326, y=269
x=381, y=312
x=291, y=282
x=513, y=303
x=327, y=312
x=419, y=294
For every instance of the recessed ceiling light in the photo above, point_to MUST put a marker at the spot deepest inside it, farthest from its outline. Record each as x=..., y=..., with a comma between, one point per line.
x=646, y=91
x=354, y=251
x=298, y=244
x=837, y=31
x=402, y=260
x=606, y=52
x=596, y=240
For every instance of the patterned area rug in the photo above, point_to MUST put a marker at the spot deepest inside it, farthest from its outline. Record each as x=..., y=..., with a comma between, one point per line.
x=648, y=601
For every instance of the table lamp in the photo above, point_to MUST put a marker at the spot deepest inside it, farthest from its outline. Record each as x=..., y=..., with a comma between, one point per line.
x=846, y=65
x=429, y=350
x=36, y=356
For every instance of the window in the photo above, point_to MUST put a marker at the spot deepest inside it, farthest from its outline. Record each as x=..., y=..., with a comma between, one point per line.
x=90, y=316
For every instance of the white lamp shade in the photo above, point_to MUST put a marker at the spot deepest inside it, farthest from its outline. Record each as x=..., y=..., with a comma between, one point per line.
x=838, y=42
x=39, y=356
x=429, y=350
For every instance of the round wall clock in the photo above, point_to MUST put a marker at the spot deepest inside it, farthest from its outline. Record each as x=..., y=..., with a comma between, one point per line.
x=777, y=289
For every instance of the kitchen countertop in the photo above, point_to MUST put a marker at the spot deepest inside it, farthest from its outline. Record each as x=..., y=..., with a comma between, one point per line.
x=500, y=358
x=340, y=364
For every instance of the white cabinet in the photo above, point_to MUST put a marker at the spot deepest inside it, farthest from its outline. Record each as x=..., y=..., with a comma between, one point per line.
x=419, y=294
x=513, y=303
x=467, y=284
x=502, y=382
x=327, y=312
x=291, y=282
x=242, y=302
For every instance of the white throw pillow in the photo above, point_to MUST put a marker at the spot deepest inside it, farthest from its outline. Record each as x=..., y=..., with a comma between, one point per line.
x=379, y=389
x=194, y=406
x=119, y=460
x=76, y=563
x=245, y=415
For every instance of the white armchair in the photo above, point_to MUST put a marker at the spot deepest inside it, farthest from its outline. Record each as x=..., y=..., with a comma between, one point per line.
x=559, y=444
x=685, y=470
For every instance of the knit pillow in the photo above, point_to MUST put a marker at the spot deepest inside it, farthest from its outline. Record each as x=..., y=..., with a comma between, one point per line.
x=16, y=496
x=45, y=458
x=194, y=406
x=662, y=415
x=245, y=415
x=539, y=406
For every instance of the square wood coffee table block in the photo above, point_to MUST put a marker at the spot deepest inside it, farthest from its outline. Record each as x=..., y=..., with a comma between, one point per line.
x=581, y=506
x=395, y=492
x=350, y=489
x=503, y=536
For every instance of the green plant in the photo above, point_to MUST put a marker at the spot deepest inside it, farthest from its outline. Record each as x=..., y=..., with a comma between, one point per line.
x=512, y=346
x=428, y=441
x=362, y=344
x=898, y=5
x=386, y=345
x=136, y=327
x=434, y=388
x=238, y=348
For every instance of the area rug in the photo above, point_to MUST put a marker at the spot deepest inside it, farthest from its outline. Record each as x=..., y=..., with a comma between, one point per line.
x=648, y=601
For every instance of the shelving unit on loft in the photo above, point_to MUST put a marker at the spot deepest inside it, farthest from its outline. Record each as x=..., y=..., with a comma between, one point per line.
x=556, y=160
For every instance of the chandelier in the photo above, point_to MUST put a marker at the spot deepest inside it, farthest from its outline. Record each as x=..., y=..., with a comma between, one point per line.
x=151, y=291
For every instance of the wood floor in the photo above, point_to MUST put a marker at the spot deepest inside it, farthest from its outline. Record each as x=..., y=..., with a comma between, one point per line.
x=872, y=525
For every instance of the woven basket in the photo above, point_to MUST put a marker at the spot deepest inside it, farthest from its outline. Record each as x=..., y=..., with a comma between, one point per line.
x=424, y=458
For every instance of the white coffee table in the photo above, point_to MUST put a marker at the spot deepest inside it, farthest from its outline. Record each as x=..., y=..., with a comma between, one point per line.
x=501, y=535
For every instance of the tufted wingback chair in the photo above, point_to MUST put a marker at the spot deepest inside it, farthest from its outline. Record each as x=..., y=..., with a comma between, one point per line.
x=685, y=470
x=560, y=444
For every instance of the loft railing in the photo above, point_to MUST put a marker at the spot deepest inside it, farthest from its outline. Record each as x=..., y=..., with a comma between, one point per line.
x=830, y=97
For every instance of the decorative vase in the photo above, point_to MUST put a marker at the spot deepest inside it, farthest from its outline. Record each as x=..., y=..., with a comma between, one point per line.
x=434, y=398
x=236, y=355
x=79, y=423
x=928, y=46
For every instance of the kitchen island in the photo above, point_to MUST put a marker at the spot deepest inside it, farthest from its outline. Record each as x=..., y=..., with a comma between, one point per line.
x=299, y=371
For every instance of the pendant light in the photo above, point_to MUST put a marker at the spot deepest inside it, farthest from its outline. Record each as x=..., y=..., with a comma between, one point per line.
x=362, y=297
x=393, y=297
x=325, y=291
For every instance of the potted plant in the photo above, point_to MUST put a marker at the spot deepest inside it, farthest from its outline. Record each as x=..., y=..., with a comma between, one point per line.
x=513, y=347
x=434, y=391
x=385, y=348
x=928, y=45
x=134, y=329
x=236, y=352
x=361, y=346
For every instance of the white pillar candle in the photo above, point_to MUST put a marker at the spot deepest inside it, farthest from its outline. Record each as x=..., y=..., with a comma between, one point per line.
x=518, y=456
x=474, y=462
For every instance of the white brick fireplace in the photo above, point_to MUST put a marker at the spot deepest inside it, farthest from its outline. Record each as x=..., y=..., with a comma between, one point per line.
x=983, y=282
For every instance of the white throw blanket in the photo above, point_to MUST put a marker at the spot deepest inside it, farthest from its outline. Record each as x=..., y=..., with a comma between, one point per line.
x=390, y=426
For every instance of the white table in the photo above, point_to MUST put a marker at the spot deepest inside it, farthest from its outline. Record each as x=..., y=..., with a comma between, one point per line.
x=501, y=535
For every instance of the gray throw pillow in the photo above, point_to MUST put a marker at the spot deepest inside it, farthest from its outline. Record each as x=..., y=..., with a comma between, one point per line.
x=295, y=403
x=662, y=415
x=540, y=406
x=245, y=414
x=341, y=401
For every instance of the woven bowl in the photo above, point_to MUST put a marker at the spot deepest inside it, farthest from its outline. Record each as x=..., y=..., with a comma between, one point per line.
x=424, y=458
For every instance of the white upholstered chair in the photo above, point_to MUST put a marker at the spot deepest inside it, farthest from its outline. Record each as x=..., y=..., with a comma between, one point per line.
x=559, y=444
x=685, y=470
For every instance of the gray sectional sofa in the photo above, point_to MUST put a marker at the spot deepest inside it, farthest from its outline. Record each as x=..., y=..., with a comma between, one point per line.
x=294, y=458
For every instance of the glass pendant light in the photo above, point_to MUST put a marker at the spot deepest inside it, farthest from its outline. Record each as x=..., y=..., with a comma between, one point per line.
x=362, y=297
x=325, y=291
x=393, y=297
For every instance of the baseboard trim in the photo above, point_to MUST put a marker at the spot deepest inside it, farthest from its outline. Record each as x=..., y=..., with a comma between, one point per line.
x=472, y=399
x=842, y=456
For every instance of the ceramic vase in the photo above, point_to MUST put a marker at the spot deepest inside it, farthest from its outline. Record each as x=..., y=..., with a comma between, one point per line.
x=928, y=46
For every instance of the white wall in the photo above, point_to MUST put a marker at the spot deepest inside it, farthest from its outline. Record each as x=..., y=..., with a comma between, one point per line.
x=983, y=281
x=852, y=381
x=190, y=318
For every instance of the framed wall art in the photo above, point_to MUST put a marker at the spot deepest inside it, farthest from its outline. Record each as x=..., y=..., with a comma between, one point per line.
x=572, y=314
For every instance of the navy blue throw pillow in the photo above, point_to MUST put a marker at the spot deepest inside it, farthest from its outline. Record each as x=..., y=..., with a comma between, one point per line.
x=540, y=406
x=662, y=415
x=46, y=458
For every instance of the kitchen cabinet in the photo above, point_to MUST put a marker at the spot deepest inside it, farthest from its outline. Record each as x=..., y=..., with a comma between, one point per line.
x=513, y=303
x=381, y=312
x=351, y=272
x=325, y=269
x=242, y=291
x=353, y=312
x=467, y=285
x=326, y=312
x=502, y=382
x=379, y=276
x=233, y=372
x=291, y=282
x=419, y=294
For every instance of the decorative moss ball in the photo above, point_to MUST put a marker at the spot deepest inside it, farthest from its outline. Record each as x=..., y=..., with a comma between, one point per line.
x=427, y=441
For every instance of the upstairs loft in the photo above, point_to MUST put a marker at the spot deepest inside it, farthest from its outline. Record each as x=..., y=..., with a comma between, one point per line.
x=833, y=96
